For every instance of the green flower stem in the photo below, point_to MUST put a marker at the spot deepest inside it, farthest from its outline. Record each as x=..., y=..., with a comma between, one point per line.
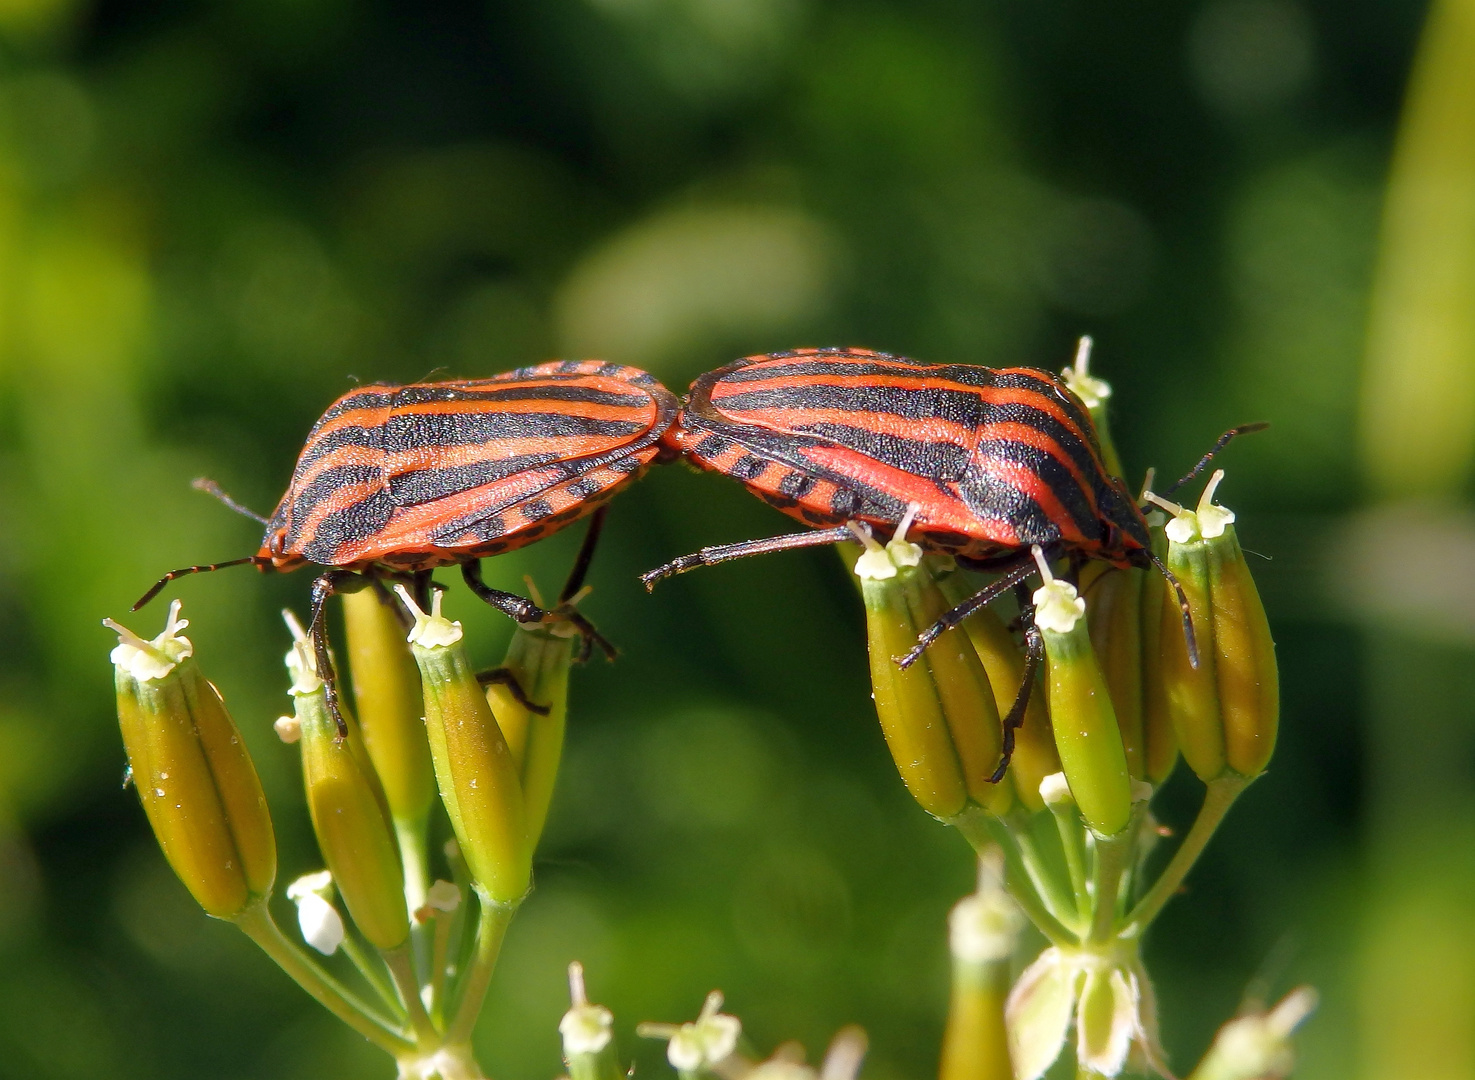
x=1051, y=892
x=978, y=828
x=256, y=922
x=1068, y=824
x=373, y=973
x=401, y=965
x=1112, y=855
x=491, y=928
x=439, y=960
x=1218, y=799
x=412, y=852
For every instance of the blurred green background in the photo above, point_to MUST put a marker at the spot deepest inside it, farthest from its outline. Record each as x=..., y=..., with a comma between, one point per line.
x=216, y=217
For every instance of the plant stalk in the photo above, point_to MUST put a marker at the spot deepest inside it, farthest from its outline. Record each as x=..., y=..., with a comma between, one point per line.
x=1218, y=798
x=256, y=922
x=491, y=928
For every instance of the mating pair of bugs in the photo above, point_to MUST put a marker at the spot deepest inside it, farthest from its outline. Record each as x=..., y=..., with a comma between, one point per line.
x=975, y=462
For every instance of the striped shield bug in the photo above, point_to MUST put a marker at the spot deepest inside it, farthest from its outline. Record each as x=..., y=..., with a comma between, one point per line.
x=979, y=463
x=395, y=481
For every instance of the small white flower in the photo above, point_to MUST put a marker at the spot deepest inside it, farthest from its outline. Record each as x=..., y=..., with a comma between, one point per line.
x=319, y=882
x=705, y=1042
x=430, y=631
x=1057, y=607
x=146, y=660
x=288, y=729
x=1055, y=789
x=321, y=925
x=443, y=896
x=1092, y=391
x=586, y=1028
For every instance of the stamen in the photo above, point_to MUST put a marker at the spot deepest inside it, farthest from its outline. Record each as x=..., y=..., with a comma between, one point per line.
x=1207, y=498
x=1044, y=566
x=913, y=509
x=1147, y=482
x=1157, y=500
x=433, y=630
x=294, y=625
x=899, y=550
x=576, y=984
x=873, y=564
x=1083, y=355
x=533, y=593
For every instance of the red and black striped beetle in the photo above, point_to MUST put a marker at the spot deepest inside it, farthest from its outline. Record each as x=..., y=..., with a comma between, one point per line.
x=395, y=481
x=985, y=463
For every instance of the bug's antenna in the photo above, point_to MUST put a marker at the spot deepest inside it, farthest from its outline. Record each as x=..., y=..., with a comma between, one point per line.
x=184, y=571
x=1203, y=462
x=210, y=487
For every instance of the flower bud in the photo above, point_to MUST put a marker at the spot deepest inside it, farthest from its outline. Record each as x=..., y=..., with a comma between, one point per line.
x=1258, y=1046
x=1114, y=620
x=538, y=659
x=349, y=811
x=1035, y=756
x=983, y=930
x=588, y=1034
x=474, y=768
x=197, y=783
x=1226, y=712
x=388, y=702
x=908, y=702
x=1086, y=733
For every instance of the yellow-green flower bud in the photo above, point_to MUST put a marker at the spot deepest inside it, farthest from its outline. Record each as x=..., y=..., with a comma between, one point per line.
x=1226, y=712
x=1258, y=1046
x=1114, y=620
x=474, y=768
x=1086, y=734
x=349, y=811
x=908, y=702
x=388, y=701
x=982, y=932
x=198, y=785
x=1034, y=743
x=538, y=660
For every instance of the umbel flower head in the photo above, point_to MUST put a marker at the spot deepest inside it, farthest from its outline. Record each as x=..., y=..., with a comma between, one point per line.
x=198, y=785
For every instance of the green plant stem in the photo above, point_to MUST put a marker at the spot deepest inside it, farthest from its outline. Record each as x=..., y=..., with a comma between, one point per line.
x=373, y=974
x=1218, y=798
x=412, y=852
x=1072, y=836
x=257, y=924
x=439, y=959
x=978, y=828
x=491, y=928
x=401, y=966
x=1044, y=882
x=1112, y=854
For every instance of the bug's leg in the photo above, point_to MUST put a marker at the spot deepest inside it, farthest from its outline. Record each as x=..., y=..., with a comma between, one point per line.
x=1189, y=637
x=185, y=571
x=721, y=553
x=503, y=677
x=1034, y=654
x=949, y=619
x=324, y=586
x=517, y=608
x=580, y=569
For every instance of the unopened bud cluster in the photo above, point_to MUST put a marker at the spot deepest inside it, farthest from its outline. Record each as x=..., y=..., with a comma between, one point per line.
x=1121, y=688
x=423, y=725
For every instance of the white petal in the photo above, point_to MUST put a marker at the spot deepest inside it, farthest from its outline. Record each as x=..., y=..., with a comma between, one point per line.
x=1038, y=1013
x=1105, y=1022
x=586, y=1029
x=322, y=927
